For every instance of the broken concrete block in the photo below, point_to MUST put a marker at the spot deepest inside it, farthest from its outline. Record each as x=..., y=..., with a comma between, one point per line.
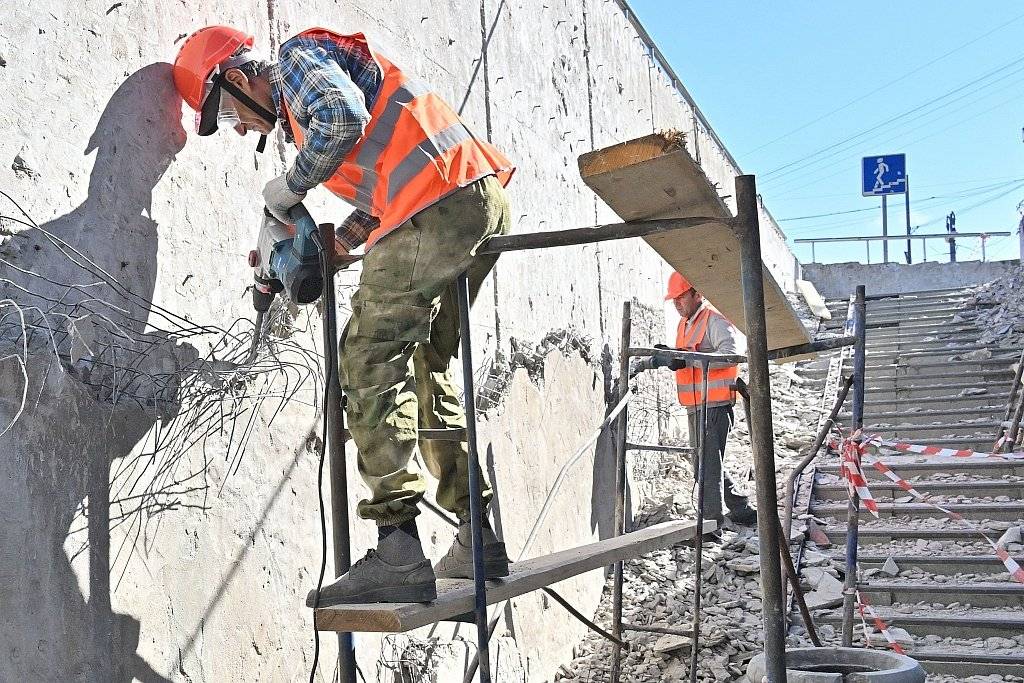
x=671, y=643
x=818, y=536
x=903, y=638
x=890, y=567
x=1011, y=535
x=745, y=565
x=826, y=590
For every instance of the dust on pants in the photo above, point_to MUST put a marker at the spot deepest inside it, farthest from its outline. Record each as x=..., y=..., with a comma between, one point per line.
x=396, y=347
x=719, y=421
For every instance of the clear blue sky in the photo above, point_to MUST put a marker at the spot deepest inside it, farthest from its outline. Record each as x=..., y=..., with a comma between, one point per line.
x=949, y=76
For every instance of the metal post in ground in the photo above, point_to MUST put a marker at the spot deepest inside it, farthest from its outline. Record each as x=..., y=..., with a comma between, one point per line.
x=336, y=450
x=702, y=439
x=906, y=206
x=853, y=508
x=475, y=502
x=620, y=483
x=885, y=230
x=761, y=432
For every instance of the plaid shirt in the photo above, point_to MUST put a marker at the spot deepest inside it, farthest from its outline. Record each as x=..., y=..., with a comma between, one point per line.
x=330, y=89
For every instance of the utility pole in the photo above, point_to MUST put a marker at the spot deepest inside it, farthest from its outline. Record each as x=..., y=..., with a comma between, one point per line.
x=885, y=230
x=906, y=198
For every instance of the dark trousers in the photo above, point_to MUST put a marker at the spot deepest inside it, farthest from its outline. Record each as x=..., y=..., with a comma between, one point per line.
x=719, y=421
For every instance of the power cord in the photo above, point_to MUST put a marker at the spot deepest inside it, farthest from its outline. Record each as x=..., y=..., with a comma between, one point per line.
x=329, y=360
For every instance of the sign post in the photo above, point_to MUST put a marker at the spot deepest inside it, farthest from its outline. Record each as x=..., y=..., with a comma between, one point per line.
x=883, y=175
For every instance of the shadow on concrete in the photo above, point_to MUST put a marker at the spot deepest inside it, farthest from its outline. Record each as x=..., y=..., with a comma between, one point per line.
x=57, y=460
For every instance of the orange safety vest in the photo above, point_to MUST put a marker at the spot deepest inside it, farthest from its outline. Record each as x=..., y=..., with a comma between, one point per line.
x=414, y=152
x=690, y=380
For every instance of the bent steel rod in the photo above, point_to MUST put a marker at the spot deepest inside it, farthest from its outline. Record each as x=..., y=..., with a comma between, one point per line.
x=762, y=436
x=702, y=431
x=1011, y=404
x=475, y=503
x=620, y=484
x=811, y=455
x=336, y=436
x=853, y=508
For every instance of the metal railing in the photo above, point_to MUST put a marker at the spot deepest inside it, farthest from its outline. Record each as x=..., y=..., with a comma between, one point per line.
x=944, y=236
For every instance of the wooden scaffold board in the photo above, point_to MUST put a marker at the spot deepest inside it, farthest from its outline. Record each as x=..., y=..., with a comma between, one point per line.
x=654, y=177
x=455, y=597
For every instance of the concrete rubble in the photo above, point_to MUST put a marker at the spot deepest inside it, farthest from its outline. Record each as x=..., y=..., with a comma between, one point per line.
x=658, y=588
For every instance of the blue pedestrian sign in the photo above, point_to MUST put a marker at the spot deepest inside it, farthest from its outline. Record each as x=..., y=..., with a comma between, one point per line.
x=884, y=174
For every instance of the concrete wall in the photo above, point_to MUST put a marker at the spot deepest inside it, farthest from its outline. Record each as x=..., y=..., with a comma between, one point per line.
x=838, y=280
x=148, y=538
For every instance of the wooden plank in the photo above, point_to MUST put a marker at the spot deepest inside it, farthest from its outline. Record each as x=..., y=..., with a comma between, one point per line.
x=455, y=597
x=654, y=177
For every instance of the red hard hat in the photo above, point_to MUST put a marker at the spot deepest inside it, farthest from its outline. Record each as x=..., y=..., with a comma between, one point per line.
x=677, y=285
x=200, y=54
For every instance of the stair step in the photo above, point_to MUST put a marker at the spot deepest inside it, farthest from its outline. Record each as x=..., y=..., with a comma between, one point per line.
x=874, y=534
x=909, y=466
x=987, y=400
x=993, y=487
x=936, y=564
x=980, y=594
x=964, y=663
x=1010, y=512
x=945, y=623
x=869, y=389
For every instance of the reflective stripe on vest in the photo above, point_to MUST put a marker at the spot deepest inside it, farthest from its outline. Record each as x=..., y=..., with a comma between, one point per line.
x=689, y=380
x=414, y=152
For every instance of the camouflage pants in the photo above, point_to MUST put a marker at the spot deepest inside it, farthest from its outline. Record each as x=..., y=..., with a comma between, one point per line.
x=395, y=351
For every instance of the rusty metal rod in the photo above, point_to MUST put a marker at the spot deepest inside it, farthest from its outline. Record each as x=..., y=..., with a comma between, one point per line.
x=762, y=437
x=811, y=455
x=702, y=431
x=853, y=508
x=620, y=485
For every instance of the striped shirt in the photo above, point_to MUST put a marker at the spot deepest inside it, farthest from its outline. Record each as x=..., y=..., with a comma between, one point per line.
x=329, y=89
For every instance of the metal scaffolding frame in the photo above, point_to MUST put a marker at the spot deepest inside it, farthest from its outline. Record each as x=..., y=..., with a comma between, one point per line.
x=746, y=225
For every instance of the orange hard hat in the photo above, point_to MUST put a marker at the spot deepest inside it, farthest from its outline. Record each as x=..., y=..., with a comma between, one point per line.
x=677, y=285
x=200, y=55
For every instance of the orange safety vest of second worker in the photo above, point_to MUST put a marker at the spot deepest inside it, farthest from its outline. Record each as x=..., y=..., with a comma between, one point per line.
x=414, y=152
x=689, y=380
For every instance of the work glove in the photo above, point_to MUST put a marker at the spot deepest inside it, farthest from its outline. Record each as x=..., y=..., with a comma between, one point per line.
x=671, y=364
x=279, y=198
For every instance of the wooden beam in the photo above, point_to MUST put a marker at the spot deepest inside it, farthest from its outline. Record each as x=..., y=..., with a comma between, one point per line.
x=455, y=597
x=654, y=177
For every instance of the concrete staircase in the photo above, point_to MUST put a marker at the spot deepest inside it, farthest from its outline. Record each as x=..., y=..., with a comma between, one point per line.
x=930, y=382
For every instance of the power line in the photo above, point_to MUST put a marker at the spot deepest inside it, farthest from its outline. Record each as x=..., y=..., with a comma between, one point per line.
x=807, y=171
x=1001, y=188
x=883, y=87
x=790, y=197
x=778, y=170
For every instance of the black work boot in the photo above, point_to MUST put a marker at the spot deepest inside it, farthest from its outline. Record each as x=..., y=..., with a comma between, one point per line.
x=395, y=571
x=744, y=515
x=458, y=562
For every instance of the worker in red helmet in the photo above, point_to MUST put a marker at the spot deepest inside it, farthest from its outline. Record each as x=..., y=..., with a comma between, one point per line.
x=427, y=193
x=702, y=328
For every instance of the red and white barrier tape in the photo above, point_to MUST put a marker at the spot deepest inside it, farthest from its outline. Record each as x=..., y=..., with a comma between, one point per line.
x=864, y=606
x=939, y=451
x=851, y=471
x=857, y=482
